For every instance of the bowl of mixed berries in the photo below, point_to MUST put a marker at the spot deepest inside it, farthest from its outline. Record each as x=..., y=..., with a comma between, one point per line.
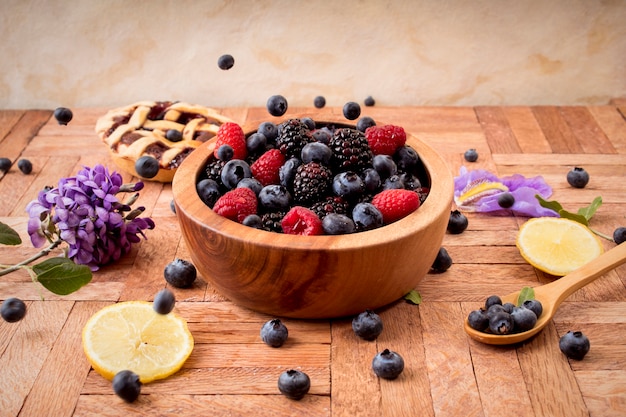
x=313, y=219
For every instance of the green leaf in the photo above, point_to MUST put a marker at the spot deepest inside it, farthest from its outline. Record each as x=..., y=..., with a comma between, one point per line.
x=61, y=275
x=527, y=293
x=583, y=215
x=8, y=236
x=591, y=209
x=551, y=205
x=413, y=297
x=573, y=216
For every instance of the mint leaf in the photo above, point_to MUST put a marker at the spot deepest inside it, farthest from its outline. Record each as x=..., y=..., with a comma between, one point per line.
x=583, y=215
x=551, y=205
x=8, y=236
x=413, y=297
x=591, y=209
x=527, y=293
x=61, y=275
x=573, y=216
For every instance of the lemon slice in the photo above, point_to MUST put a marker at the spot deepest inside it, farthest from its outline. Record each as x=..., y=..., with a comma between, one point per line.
x=556, y=245
x=131, y=335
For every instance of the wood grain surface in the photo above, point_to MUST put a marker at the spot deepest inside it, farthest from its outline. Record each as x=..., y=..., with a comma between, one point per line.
x=43, y=370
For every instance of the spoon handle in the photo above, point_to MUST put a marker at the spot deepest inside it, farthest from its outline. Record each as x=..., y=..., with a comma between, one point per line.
x=575, y=280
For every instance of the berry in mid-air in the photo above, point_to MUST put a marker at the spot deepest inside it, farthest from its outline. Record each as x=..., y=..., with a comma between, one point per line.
x=351, y=110
x=236, y=204
x=575, y=345
x=457, y=223
x=164, y=301
x=367, y=325
x=266, y=169
x=294, y=384
x=63, y=115
x=25, y=166
x=319, y=102
x=385, y=139
x=277, y=105
x=442, y=262
x=365, y=122
x=225, y=62
x=180, y=273
x=619, y=235
x=231, y=134
x=13, y=310
x=5, y=164
x=388, y=364
x=578, y=177
x=147, y=166
x=126, y=385
x=471, y=155
x=369, y=101
x=301, y=221
x=174, y=135
x=395, y=204
x=274, y=333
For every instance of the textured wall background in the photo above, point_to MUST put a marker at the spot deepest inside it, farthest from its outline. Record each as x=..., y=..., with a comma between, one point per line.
x=450, y=52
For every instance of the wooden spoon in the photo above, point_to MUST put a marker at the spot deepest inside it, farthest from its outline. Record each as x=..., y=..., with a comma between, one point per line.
x=551, y=295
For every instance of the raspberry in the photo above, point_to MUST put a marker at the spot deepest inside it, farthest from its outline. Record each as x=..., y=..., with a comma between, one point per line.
x=395, y=204
x=232, y=134
x=236, y=204
x=266, y=168
x=302, y=221
x=385, y=139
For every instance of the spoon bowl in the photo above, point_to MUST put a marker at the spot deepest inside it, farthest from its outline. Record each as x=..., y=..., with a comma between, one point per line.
x=552, y=295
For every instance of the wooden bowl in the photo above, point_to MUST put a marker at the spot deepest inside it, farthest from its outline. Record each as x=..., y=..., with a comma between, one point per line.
x=313, y=276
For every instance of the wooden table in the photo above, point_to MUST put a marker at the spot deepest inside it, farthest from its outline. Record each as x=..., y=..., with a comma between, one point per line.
x=43, y=371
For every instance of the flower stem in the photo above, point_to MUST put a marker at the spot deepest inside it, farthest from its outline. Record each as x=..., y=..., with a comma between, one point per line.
x=602, y=235
x=33, y=258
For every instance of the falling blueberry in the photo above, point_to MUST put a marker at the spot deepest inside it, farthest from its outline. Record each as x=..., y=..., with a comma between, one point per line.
x=63, y=115
x=277, y=105
x=369, y=101
x=147, y=166
x=164, y=302
x=319, y=102
x=351, y=110
x=225, y=62
x=126, y=385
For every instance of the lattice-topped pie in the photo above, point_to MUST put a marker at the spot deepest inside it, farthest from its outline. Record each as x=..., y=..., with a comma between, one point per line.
x=167, y=131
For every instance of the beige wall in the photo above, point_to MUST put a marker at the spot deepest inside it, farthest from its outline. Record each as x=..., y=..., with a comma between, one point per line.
x=454, y=52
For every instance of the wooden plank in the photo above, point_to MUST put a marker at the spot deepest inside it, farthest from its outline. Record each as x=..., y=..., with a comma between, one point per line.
x=589, y=134
x=55, y=392
x=612, y=124
x=604, y=392
x=556, y=130
x=15, y=140
x=497, y=130
x=527, y=131
x=30, y=346
x=8, y=119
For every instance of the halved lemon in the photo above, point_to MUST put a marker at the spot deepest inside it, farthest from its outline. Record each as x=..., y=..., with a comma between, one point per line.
x=131, y=335
x=557, y=245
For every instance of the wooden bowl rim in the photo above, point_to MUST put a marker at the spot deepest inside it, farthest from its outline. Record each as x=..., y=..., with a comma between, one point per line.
x=188, y=204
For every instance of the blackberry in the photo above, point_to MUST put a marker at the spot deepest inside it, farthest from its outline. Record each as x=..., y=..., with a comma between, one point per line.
x=331, y=204
x=293, y=135
x=311, y=182
x=351, y=151
x=271, y=221
x=214, y=170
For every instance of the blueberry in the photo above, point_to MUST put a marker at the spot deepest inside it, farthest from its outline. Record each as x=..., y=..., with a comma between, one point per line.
x=174, y=135
x=471, y=155
x=409, y=181
x=367, y=325
x=209, y=191
x=13, y=309
x=578, y=177
x=506, y=200
x=371, y=179
x=348, y=185
x=147, y=166
x=385, y=166
x=501, y=323
x=366, y=217
x=508, y=307
x=225, y=62
x=338, y=224
x=164, y=301
x=369, y=101
x=256, y=142
x=491, y=300
x=268, y=129
x=574, y=345
x=406, y=158
x=395, y=182
x=277, y=105
x=25, y=166
x=274, y=197
x=534, y=305
x=319, y=102
x=173, y=206
x=364, y=122
x=225, y=152
x=457, y=223
x=316, y=152
x=523, y=319
x=308, y=122
x=619, y=235
x=443, y=261
x=126, y=385
x=274, y=333
x=63, y=115
x=478, y=320
x=495, y=309
x=253, y=220
x=294, y=384
x=234, y=171
x=180, y=273
x=251, y=183
x=287, y=172
x=5, y=164
x=322, y=135
x=388, y=364
x=351, y=110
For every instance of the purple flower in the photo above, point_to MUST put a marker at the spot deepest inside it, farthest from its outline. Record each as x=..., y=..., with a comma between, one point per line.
x=478, y=190
x=84, y=212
